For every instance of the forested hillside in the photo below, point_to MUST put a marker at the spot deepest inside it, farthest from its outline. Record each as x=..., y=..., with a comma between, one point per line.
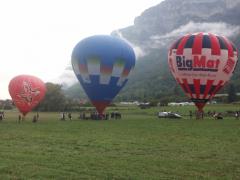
x=154, y=31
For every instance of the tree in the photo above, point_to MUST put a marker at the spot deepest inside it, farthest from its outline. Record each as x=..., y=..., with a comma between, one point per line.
x=6, y=104
x=231, y=94
x=54, y=100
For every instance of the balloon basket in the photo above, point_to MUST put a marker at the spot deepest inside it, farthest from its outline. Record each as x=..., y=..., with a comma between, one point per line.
x=199, y=114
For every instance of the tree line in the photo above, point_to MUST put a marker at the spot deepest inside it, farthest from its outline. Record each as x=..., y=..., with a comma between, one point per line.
x=56, y=100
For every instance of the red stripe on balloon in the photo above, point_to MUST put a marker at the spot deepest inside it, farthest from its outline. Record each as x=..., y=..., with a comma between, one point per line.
x=182, y=85
x=187, y=87
x=215, y=45
x=217, y=88
x=106, y=70
x=125, y=72
x=83, y=68
x=196, y=83
x=197, y=44
x=182, y=44
x=174, y=46
x=207, y=88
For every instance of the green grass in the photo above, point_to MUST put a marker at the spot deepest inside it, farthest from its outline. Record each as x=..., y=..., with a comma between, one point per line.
x=140, y=146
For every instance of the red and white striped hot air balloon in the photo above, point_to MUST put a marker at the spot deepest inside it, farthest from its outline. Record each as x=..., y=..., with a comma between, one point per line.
x=202, y=63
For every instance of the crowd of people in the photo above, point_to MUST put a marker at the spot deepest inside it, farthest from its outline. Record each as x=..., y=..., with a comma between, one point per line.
x=96, y=116
x=68, y=116
x=93, y=115
x=214, y=114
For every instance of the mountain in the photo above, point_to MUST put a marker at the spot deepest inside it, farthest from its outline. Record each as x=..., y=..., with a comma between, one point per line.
x=154, y=31
x=157, y=26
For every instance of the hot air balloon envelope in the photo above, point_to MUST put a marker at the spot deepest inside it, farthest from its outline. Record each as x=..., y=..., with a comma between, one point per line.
x=26, y=92
x=102, y=64
x=202, y=63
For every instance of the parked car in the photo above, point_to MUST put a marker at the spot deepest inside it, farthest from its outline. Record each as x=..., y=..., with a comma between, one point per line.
x=169, y=115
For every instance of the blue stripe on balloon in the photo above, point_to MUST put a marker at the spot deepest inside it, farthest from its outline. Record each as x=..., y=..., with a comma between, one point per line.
x=101, y=92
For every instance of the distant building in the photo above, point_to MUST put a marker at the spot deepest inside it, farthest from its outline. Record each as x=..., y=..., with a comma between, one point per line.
x=181, y=104
x=130, y=103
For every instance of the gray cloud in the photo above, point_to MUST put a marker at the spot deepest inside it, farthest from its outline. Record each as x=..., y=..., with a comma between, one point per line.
x=139, y=52
x=219, y=28
x=67, y=78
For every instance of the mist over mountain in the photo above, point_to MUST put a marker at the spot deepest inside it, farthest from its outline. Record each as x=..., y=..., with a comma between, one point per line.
x=159, y=26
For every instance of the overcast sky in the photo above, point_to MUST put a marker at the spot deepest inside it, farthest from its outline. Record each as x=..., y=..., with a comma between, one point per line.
x=37, y=36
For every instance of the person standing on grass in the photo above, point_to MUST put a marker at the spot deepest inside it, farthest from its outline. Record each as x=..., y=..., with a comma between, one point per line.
x=237, y=115
x=69, y=116
x=190, y=114
x=19, y=118
x=62, y=116
x=2, y=115
x=34, y=119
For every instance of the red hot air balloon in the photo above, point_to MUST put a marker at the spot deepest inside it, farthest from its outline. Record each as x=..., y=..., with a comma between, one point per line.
x=202, y=63
x=26, y=92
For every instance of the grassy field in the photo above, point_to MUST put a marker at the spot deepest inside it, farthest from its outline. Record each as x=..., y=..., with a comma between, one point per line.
x=139, y=146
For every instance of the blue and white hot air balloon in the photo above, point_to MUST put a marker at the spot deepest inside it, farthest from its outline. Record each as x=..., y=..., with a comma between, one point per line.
x=102, y=64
